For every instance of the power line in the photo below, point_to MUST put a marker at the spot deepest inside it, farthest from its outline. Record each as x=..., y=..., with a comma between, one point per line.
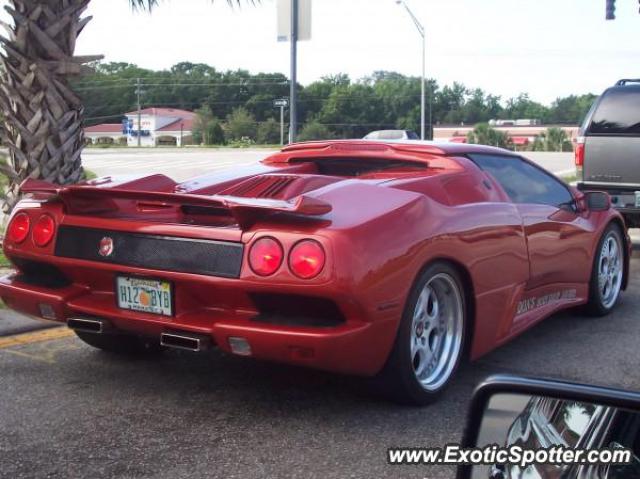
x=247, y=84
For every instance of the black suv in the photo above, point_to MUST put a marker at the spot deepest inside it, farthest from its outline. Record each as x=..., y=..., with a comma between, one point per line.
x=608, y=148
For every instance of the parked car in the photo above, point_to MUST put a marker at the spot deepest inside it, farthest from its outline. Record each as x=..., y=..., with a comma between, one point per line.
x=608, y=148
x=392, y=135
x=389, y=260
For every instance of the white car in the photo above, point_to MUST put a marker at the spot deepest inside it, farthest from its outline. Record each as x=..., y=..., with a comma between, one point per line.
x=392, y=135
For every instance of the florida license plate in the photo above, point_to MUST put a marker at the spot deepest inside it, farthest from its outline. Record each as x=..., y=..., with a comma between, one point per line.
x=145, y=295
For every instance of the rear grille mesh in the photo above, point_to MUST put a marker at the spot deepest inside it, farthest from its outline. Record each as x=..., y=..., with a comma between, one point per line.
x=166, y=253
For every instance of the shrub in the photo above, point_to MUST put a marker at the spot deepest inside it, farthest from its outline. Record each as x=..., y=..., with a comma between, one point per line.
x=315, y=130
x=269, y=132
x=241, y=124
x=483, y=134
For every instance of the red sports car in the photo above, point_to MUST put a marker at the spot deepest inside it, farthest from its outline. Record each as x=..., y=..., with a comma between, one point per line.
x=381, y=259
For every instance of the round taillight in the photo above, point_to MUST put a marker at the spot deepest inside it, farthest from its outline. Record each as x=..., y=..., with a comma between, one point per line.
x=43, y=230
x=266, y=256
x=306, y=259
x=19, y=228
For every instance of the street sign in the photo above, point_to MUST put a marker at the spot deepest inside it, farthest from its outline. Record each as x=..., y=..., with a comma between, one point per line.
x=281, y=103
x=284, y=20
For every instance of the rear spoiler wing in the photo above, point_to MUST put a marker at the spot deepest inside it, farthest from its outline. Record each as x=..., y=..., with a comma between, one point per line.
x=83, y=199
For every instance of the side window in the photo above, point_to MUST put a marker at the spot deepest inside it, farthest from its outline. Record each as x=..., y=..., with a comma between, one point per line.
x=523, y=182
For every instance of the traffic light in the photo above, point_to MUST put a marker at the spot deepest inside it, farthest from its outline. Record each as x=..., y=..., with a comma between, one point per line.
x=611, y=9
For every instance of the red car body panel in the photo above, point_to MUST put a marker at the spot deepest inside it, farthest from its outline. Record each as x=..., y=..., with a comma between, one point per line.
x=379, y=229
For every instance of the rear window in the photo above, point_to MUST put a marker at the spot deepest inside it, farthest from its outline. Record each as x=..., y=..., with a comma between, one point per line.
x=618, y=113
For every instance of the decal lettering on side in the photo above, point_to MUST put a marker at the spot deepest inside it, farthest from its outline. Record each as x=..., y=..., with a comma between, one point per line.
x=535, y=302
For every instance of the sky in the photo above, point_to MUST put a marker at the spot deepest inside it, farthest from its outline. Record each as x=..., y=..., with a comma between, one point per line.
x=547, y=48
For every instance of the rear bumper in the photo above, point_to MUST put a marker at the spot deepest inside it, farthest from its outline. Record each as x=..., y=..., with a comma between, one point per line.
x=355, y=347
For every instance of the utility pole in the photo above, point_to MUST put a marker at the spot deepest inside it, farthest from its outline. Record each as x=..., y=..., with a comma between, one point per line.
x=423, y=34
x=423, y=102
x=139, y=93
x=611, y=10
x=281, y=125
x=293, y=100
x=430, y=112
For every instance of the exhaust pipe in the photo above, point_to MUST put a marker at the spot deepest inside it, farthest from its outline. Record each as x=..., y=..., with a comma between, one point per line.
x=185, y=341
x=89, y=325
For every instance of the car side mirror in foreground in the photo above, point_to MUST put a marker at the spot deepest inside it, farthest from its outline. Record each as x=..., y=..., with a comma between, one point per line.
x=597, y=201
x=532, y=428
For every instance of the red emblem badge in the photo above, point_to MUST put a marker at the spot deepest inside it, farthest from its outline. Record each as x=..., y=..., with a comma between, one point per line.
x=106, y=247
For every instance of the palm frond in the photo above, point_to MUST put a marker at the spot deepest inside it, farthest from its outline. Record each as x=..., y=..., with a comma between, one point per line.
x=149, y=4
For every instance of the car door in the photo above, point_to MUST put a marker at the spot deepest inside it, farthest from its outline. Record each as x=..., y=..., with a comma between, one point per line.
x=558, y=238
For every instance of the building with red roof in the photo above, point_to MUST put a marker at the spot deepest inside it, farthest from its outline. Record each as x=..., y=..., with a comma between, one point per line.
x=158, y=126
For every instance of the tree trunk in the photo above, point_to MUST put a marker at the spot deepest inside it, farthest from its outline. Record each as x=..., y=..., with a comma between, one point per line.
x=42, y=115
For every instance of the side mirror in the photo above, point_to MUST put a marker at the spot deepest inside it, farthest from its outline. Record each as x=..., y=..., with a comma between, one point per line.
x=597, y=201
x=532, y=415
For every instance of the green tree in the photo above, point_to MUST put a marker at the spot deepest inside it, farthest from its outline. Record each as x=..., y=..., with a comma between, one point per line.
x=315, y=130
x=554, y=139
x=352, y=110
x=348, y=108
x=43, y=115
x=241, y=124
x=523, y=107
x=483, y=134
x=269, y=132
x=571, y=109
x=207, y=128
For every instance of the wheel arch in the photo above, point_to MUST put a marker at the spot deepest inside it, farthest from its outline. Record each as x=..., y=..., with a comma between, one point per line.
x=469, y=296
x=619, y=222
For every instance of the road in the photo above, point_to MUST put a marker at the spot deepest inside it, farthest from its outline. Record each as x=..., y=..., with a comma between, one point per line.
x=179, y=164
x=182, y=164
x=67, y=410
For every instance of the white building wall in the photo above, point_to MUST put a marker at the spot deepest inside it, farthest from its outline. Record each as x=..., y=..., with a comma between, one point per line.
x=148, y=123
x=151, y=124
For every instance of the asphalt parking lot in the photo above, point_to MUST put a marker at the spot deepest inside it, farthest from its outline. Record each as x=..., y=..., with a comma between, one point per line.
x=67, y=410
x=184, y=163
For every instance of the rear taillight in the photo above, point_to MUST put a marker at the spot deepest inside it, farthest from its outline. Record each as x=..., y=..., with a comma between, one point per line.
x=43, y=230
x=307, y=259
x=266, y=256
x=19, y=228
x=579, y=152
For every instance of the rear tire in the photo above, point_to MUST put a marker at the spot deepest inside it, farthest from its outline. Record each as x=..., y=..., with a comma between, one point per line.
x=430, y=341
x=607, y=273
x=120, y=343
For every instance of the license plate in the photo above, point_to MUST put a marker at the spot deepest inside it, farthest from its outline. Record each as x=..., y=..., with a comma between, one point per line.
x=637, y=199
x=145, y=295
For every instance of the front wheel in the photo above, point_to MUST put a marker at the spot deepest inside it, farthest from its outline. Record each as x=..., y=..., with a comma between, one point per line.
x=430, y=340
x=607, y=274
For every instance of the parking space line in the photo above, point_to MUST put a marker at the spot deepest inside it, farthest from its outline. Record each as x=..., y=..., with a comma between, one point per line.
x=35, y=337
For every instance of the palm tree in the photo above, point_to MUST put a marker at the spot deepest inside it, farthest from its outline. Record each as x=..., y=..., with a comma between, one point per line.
x=483, y=134
x=42, y=115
